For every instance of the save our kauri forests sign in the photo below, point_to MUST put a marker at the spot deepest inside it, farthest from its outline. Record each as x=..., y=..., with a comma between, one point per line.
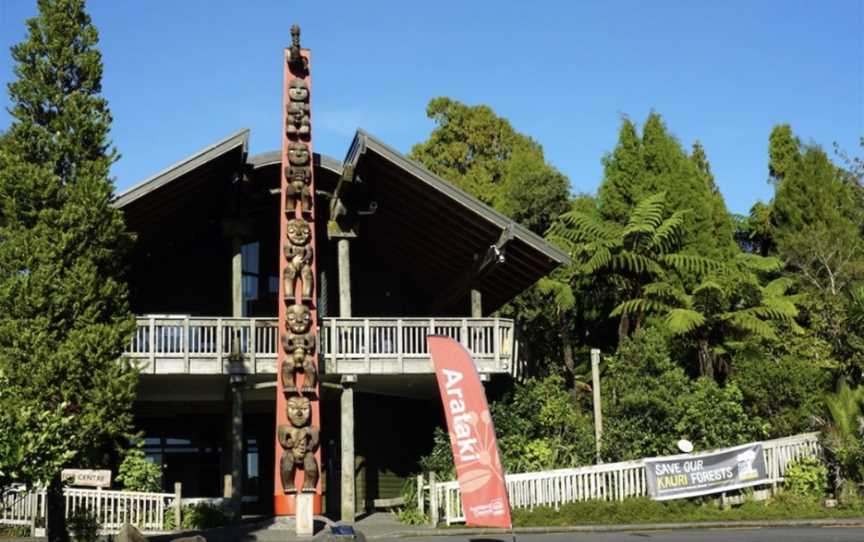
x=690, y=475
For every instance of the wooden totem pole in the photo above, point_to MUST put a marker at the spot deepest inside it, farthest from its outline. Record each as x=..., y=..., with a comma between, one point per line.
x=297, y=486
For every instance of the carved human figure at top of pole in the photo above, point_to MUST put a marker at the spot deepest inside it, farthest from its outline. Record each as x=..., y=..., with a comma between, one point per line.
x=298, y=65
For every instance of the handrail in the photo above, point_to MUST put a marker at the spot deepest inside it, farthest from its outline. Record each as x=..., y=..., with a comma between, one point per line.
x=608, y=481
x=195, y=344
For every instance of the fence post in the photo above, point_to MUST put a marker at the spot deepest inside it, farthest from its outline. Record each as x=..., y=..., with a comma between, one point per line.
x=178, y=493
x=433, y=500
x=420, y=503
x=598, y=411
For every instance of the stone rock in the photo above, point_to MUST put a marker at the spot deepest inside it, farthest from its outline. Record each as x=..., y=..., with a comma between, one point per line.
x=128, y=533
x=196, y=538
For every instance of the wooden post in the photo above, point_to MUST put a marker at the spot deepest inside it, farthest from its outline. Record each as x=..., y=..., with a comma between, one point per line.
x=348, y=506
x=236, y=277
x=178, y=508
x=236, y=493
x=598, y=411
x=420, y=500
x=433, y=501
x=476, y=304
x=344, y=253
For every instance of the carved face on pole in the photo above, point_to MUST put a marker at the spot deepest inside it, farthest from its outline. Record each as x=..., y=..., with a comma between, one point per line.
x=297, y=174
x=298, y=91
x=298, y=232
x=298, y=319
x=298, y=154
x=298, y=411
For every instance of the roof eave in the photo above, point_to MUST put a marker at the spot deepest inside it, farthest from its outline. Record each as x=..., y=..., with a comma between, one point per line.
x=363, y=141
x=239, y=139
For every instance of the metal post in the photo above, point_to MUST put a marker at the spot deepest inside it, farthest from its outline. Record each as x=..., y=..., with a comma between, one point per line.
x=598, y=411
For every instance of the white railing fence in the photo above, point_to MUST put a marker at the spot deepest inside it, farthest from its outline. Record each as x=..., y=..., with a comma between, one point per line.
x=608, y=482
x=182, y=344
x=146, y=511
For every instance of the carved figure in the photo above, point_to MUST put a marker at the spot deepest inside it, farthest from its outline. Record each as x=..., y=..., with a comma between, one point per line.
x=299, y=256
x=302, y=363
x=297, y=187
x=297, y=119
x=295, y=60
x=297, y=341
x=298, y=91
x=298, y=154
x=299, y=441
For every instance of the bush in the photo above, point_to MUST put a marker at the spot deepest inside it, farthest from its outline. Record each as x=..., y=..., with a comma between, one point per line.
x=649, y=403
x=137, y=473
x=14, y=531
x=204, y=515
x=83, y=525
x=807, y=477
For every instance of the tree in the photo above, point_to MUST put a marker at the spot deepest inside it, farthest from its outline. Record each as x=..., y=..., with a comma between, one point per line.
x=656, y=162
x=64, y=315
x=481, y=153
x=641, y=252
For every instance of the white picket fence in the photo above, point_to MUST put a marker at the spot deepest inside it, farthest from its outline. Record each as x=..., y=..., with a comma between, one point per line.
x=608, y=482
x=113, y=508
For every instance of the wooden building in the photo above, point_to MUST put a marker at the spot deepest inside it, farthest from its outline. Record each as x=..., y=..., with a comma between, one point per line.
x=405, y=254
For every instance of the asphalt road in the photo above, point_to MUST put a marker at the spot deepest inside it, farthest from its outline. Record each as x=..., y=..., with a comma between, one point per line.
x=773, y=534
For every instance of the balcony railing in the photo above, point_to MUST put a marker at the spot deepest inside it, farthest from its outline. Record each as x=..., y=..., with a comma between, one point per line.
x=165, y=344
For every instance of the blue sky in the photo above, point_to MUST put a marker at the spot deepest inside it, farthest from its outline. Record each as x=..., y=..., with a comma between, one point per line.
x=181, y=75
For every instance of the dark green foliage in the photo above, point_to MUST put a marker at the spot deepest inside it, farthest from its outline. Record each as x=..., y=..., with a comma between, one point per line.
x=780, y=384
x=83, y=525
x=64, y=316
x=650, y=403
x=539, y=427
x=656, y=162
x=806, y=477
x=203, y=515
x=643, y=511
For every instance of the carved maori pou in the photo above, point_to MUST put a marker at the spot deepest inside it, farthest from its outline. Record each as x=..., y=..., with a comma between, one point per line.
x=299, y=441
x=297, y=111
x=297, y=187
x=296, y=62
x=298, y=252
x=298, y=154
x=297, y=341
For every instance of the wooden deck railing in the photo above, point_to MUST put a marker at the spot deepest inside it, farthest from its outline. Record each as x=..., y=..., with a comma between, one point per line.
x=146, y=511
x=607, y=482
x=202, y=345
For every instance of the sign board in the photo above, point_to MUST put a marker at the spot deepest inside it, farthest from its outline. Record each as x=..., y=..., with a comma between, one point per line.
x=690, y=475
x=86, y=477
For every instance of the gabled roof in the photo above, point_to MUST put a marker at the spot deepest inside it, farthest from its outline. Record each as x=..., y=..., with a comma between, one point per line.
x=237, y=140
x=364, y=141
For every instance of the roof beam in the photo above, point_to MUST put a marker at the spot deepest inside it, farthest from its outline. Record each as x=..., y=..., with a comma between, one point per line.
x=483, y=264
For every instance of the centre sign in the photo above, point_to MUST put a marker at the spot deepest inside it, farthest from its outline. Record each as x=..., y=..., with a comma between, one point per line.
x=86, y=477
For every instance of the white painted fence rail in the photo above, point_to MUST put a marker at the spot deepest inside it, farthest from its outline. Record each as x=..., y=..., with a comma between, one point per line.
x=398, y=345
x=113, y=508
x=166, y=344
x=608, y=482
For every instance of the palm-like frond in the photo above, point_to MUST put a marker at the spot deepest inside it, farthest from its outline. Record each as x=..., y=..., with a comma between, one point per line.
x=681, y=321
x=754, y=262
x=777, y=287
x=631, y=262
x=639, y=305
x=667, y=234
x=647, y=215
x=750, y=323
x=561, y=292
x=690, y=263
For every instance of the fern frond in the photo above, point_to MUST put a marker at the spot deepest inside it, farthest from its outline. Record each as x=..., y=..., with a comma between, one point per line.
x=749, y=323
x=681, y=321
x=754, y=262
x=647, y=213
x=668, y=233
x=690, y=263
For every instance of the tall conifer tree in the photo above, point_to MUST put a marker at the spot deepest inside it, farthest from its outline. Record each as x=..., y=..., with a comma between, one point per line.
x=64, y=315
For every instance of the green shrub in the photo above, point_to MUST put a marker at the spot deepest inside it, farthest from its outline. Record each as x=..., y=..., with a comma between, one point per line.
x=14, y=531
x=807, y=477
x=83, y=525
x=137, y=473
x=409, y=513
x=204, y=515
x=169, y=522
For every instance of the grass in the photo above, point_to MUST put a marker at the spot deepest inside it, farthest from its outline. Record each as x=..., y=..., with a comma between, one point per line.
x=644, y=510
